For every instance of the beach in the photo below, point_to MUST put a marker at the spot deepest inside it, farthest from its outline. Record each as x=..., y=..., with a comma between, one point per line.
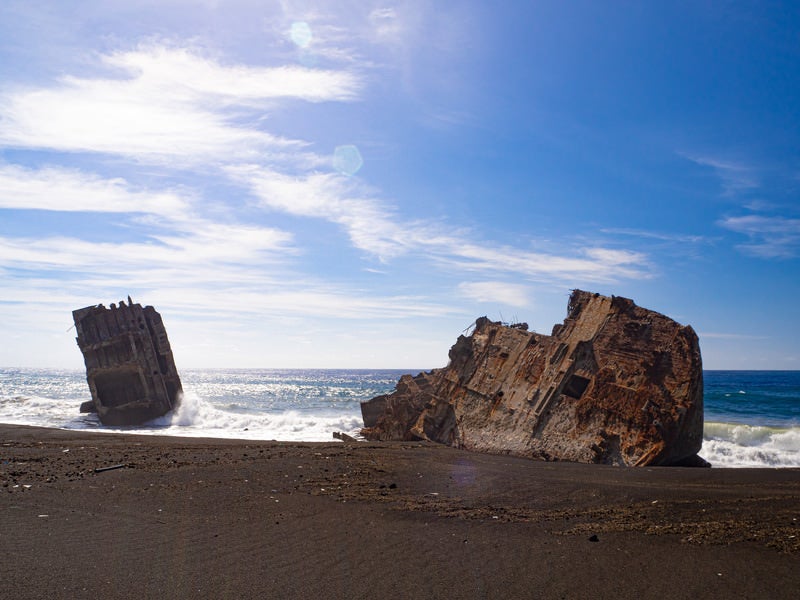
x=87, y=514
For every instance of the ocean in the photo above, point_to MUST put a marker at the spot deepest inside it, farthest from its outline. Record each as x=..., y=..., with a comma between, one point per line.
x=752, y=418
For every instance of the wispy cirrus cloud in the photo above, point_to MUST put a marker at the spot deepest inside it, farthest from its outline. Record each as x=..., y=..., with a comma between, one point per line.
x=173, y=102
x=370, y=224
x=185, y=262
x=678, y=238
x=170, y=233
x=769, y=236
x=165, y=103
x=196, y=268
x=254, y=300
x=736, y=177
x=731, y=336
x=204, y=246
x=374, y=226
x=497, y=292
x=185, y=75
x=175, y=115
x=72, y=190
x=588, y=264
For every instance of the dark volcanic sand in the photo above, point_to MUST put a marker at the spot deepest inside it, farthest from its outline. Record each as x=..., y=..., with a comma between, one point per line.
x=242, y=519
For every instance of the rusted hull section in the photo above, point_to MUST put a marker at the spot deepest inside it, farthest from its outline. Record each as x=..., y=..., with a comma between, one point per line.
x=614, y=384
x=129, y=364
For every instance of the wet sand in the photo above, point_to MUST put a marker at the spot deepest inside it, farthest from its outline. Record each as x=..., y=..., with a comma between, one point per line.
x=183, y=517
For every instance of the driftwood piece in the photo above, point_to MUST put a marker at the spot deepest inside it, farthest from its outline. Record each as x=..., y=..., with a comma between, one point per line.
x=111, y=468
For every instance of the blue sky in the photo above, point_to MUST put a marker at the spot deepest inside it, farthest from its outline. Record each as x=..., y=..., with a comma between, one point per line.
x=350, y=184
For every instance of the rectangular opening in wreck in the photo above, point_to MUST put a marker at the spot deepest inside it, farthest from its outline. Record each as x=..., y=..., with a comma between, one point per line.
x=575, y=387
x=118, y=387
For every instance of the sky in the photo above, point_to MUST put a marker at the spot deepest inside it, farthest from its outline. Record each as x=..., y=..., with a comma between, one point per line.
x=351, y=184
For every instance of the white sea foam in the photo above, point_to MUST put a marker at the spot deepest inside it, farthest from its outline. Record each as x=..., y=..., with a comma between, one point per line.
x=195, y=417
x=737, y=445
x=40, y=411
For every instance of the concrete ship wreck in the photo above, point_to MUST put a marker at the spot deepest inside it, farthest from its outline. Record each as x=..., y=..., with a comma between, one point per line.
x=129, y=364
x=614, y=384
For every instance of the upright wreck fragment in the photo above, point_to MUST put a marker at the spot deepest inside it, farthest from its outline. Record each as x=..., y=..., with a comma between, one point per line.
x=614, y=384
x=129, y=364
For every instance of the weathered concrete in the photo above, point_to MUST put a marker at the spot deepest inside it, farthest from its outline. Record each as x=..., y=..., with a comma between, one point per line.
x=615, y=384
x=129, y=364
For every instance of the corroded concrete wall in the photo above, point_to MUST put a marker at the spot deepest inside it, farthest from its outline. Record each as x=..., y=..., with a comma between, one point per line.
x=615, y=384
x=129, y=364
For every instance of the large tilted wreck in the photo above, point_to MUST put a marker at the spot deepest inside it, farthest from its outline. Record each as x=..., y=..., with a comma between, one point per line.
x=614, y=384
x=129, y=364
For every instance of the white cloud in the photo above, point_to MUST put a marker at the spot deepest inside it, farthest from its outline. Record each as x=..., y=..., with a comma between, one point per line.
x=499, y=292
x=731, y=336
x=186, y=263
x=330, y=196
x=770, y=236
x=304, y=300
x=375, y=227
x=736, y=177
x=238, y=295
x=206, y=247
x=70, y=190
x=190, y=254
x=171, y=234
x=589, y=264
x=678, y=238
x=169, y=103
x=174, y=102
x=186, y=76
x=385, y=23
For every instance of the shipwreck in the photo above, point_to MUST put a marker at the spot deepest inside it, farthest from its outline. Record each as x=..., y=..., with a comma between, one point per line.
x=129, y=364
x=614, y=384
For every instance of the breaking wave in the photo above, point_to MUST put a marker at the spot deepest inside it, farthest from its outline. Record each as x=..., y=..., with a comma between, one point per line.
x=738, y=445
x=284, y=405
x=199, y=418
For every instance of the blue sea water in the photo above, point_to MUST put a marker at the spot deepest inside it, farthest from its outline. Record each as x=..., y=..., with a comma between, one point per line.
x=752, y=418
x=264, y=404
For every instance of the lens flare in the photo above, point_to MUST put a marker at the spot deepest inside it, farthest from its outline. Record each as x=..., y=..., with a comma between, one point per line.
x=463, y=473
x=347, y=159
x=300, y=34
